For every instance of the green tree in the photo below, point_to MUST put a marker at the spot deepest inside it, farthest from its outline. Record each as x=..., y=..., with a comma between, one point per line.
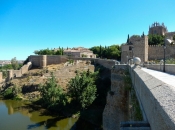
x=155, y=39
x=49, y=51
x=51, y=92
x=110, y=52
x=82, y=89
x=14, y=63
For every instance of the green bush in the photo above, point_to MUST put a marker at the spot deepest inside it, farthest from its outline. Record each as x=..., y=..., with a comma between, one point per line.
x=8, y=93
x=51, y=93
x=82, y=89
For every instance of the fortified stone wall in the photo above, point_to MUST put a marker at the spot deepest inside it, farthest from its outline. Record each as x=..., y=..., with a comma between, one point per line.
x=44, y=60
x=19, y=73
x=140, y=49
x=157, y=99
x=157, y=52
x=35, y=59
x=56, y=59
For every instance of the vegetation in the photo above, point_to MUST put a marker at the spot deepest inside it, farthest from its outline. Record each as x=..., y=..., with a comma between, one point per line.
x=49, y=52
x=135, y=112
x=51, y=93
x=14, y=63
x=82, y=89
x=174, y=37
x=170, y=61
x=12, y=93
x=110, y=52
x=155, y=39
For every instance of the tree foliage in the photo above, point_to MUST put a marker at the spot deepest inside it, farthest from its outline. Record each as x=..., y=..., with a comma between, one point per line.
x=154, y=39
x=51, y=92
x=110, y=52
x=82, y=88
x=49, y=52
x=14, y=63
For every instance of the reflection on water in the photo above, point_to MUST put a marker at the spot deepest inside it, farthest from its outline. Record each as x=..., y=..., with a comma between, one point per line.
x=17, y=115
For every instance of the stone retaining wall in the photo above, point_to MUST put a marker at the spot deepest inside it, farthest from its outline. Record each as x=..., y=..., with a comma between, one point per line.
x=116, y=109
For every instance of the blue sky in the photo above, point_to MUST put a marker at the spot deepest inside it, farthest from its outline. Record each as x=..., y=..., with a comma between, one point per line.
x=29, y=25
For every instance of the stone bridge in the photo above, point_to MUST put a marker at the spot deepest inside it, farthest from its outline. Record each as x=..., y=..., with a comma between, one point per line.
x=156, y=99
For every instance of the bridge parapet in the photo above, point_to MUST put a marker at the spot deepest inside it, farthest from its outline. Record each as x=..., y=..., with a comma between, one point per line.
x=157, y=99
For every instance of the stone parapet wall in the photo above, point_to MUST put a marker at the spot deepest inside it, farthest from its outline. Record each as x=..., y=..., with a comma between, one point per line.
x=169, y=68
x=157, y=99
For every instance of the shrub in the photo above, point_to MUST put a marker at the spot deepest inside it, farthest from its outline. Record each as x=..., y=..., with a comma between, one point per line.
x=51, y=92
x=82, y=89
x=8, y=93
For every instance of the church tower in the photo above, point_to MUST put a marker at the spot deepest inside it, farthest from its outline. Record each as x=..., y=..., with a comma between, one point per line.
x=158, y=29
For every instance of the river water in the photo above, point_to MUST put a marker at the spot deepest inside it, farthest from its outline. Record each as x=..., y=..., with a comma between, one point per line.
x=17, y=115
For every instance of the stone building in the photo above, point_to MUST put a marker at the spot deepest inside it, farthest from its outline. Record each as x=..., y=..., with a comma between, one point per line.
x=79, y=52
x=137, y=46
x=157, y=28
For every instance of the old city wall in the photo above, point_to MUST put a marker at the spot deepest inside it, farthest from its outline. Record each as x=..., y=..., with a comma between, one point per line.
x=53, y=59
x=156, y=98
x=157, y=52
x=140, y=49
x=18, y=73
x=44, y=60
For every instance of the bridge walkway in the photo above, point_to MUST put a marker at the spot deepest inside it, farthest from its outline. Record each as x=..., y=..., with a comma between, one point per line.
x=164, y=77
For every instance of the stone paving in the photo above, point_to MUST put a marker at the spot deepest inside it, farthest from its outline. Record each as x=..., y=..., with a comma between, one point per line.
x=164, y=77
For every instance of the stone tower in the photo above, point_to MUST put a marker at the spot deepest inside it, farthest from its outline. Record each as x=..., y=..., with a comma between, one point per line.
x=137, y=47
x=157, y=28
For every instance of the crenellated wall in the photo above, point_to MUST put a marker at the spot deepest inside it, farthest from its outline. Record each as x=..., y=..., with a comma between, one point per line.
x=144, y=51
x=157, y=52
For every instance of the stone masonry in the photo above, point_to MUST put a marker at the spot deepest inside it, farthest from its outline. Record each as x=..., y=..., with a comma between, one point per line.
x=116, y=109
x=137, y=46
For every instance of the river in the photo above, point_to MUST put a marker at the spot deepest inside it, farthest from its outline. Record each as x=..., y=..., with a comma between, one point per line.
x=18, y=115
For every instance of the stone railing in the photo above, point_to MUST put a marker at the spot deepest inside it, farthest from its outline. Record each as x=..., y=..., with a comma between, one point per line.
x=156, y=97
x=169, y=68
